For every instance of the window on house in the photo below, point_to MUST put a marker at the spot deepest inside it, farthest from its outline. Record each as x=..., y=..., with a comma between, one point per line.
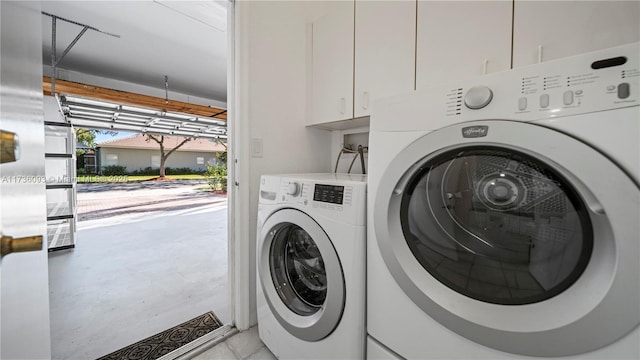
x=155, y=161
x=200, y=160
x=112, y=159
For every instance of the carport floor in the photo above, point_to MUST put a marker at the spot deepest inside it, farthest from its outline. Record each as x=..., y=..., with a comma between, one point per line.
x=131, y=277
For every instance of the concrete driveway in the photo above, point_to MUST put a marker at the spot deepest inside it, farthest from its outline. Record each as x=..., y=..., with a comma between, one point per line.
x=102, y=200
x=148, y=256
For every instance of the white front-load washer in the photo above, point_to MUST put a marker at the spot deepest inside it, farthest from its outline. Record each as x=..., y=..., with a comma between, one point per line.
x=311, y=265
x=503, y=215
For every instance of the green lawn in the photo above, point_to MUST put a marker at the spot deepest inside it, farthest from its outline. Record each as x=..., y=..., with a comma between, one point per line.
x=133, y=178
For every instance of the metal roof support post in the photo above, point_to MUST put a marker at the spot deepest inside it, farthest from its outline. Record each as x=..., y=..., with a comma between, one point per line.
x=54, y=61
x=53, y=55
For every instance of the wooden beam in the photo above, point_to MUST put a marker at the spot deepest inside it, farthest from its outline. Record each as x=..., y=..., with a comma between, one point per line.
x=123, y=97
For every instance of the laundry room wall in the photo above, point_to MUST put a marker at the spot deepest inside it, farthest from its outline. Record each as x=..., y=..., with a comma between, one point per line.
x=272, y=45
x=271, y=102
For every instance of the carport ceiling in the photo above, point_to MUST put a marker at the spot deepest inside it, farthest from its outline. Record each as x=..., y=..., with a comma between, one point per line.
x=184, y=40
x=177, y=46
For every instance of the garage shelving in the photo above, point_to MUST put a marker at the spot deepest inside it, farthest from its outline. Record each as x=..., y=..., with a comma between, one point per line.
x=60, y=184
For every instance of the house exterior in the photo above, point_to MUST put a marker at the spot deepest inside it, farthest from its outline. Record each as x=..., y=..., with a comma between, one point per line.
x=137, y=152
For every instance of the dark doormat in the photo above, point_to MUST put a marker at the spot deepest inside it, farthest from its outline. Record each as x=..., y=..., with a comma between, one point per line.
x=165, y=342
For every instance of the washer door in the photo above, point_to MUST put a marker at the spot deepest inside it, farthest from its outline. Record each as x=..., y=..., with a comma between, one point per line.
x=523, y=239
x=301, y=275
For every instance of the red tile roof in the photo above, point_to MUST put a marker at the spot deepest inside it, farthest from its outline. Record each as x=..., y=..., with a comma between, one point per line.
x=140, y=141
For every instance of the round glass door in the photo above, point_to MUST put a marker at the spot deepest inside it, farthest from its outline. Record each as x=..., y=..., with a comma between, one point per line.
x=522, y=236
x=300, y=275
x=297, y=270
x=496, y=225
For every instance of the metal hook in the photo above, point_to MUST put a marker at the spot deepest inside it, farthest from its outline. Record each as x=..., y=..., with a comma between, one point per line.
x=166, y=89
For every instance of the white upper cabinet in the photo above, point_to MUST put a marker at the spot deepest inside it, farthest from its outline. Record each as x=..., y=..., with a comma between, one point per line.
x=546, y=30
x=461, y=39
x=332, y=65
x=385, y=33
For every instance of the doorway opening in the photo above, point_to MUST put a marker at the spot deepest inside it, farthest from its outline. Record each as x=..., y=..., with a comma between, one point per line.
x=149, y=251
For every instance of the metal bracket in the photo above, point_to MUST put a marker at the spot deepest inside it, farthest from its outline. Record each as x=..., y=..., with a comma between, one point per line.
x=54, y=60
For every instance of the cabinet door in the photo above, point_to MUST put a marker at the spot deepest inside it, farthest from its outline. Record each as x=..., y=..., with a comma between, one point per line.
x=384, y=51
x=565, y=28
x=332, y=68
x=461, y=39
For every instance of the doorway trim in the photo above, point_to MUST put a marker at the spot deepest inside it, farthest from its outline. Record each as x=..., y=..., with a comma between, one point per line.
x=241, y=294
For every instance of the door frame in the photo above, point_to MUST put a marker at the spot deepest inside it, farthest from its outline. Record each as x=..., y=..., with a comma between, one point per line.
x=241, y=294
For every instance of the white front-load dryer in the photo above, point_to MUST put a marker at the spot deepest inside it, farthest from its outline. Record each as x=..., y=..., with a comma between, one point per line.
x=311, y=265
x=504, y=215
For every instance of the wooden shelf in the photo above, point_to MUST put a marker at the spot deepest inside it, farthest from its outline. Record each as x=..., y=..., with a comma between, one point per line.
x=123, y=97
x=343, y=124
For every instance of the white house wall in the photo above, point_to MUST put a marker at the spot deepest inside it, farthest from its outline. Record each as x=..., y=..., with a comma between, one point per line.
x=135, y=159
x=271, y=62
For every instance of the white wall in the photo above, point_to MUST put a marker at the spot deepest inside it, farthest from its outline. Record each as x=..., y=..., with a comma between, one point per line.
x=271, y=75
x=136, y=159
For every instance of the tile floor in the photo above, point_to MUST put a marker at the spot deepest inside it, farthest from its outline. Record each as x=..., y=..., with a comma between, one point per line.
x=132, y=277
x=241, y=346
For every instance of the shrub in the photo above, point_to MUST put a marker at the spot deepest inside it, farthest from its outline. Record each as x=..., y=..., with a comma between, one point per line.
x=179, y=171
x=217, y=177
x=146, y=171
x=168, y=171
x=113, y=170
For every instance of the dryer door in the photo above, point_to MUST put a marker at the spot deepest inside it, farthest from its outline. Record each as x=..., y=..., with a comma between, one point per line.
x=514, y=235
x=300, y=274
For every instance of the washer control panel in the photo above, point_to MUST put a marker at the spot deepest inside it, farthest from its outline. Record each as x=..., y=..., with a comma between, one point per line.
x=293, y=189
x=326, y=196
x=341, y=197
x=329, y=196
x=332, y=194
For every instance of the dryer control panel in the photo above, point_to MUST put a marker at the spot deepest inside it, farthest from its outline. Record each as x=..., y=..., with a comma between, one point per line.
x=597, y=81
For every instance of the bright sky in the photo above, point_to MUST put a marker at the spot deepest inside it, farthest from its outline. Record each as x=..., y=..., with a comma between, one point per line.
x=121, y=134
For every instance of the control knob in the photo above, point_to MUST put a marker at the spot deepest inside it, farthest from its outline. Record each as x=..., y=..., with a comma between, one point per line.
x=293, y=189
x=478, y=97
